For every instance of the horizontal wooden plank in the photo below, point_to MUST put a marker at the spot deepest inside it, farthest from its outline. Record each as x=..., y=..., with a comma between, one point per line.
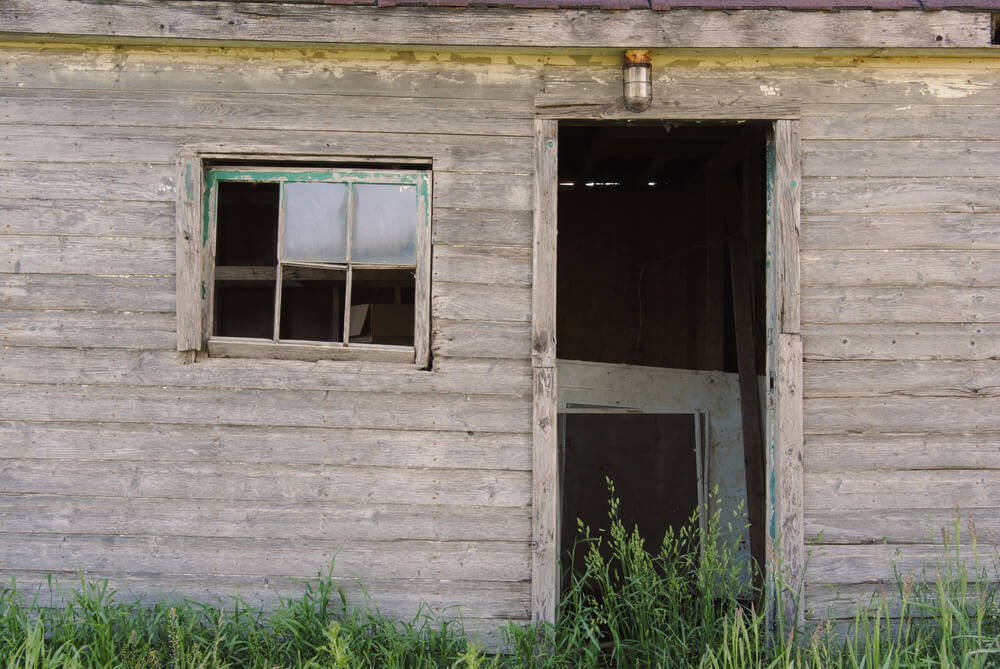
x=864, y=452
x=480, y=604
x=166, y=368
x=461, y=560
x=847, y=565
x=903, y=378
x=242, y=481
x=88, y=328
x=901, y=268
x=483, y=190
x=82, y=291
x=577, y=105
x=750, y=83
x=901, y=231
x=910, y=195
x=481, y=339
x=161, y=145
x=902, y=341
x=495, y=26
x=58, y=254
x=307, y=71
x=916, y=414
x=890, y=304
x=151, y=182
x=902, y=526
x=88, y=218
x=839, y=605
x=155, y=182
x=149, y=441
x=502, y=227
x=965, y=489
x=483, y=264
x=271, y=519
x=937, y=119
x=275, y=111
x=352, y=447
x=905, y=158
x=487, y=413
x=467, y=301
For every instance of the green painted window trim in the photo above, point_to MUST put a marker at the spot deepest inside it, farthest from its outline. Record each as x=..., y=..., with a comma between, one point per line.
x=419, y=177
x=215, y=175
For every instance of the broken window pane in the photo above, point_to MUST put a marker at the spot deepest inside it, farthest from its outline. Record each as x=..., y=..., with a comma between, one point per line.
x=315, y=222
x=244, y=309
x=312, y=304
x=385, y=224
x=382, y=307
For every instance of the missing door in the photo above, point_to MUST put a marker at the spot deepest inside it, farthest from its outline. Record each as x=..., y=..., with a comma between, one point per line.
x=661, y=304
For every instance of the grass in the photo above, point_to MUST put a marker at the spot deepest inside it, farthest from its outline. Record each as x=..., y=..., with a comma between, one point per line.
x=672, y=605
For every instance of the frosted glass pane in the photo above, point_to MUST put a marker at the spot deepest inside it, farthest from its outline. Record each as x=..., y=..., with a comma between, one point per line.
x=315, y=222
x=385, y=224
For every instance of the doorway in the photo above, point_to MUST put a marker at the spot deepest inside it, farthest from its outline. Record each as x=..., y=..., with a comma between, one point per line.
x=660, y=327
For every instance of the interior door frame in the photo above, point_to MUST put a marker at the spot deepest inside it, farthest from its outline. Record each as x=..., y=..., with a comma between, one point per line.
x=783, y=429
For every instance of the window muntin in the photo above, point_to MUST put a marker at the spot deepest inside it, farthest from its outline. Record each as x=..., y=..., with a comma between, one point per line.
x=338, y=258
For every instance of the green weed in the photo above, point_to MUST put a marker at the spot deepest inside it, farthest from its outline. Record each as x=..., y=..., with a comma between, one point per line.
x=679, y=603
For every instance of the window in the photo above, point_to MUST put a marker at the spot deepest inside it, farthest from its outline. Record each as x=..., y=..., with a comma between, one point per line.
x=310, y=263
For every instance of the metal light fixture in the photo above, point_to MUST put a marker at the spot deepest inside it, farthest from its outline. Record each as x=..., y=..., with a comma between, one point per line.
x=637, y=80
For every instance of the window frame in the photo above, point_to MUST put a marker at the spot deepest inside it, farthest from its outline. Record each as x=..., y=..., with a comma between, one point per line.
x=198, y=172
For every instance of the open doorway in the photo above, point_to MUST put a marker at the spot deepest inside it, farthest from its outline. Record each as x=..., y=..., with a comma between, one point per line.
x=660, y=325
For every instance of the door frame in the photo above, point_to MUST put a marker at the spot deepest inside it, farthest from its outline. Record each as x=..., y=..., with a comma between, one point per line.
x=783, y=429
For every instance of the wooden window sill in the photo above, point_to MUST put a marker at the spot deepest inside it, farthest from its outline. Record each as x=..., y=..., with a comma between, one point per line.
x=241, y=347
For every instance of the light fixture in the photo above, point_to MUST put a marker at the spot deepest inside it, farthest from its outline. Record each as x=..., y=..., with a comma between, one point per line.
x=637, y=80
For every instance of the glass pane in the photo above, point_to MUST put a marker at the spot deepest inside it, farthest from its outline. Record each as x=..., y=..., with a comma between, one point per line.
x=312, y=304
x=385, y=224
x=382, y=306
x=315, y=222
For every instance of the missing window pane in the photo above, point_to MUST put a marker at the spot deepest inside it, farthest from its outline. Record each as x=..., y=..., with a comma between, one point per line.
x=312, y=304
x=247, y=222
x=382, y=307
x=246, y=254
x=244, y=308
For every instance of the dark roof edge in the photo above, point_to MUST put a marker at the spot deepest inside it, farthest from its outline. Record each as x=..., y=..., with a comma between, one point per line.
x=663, y=5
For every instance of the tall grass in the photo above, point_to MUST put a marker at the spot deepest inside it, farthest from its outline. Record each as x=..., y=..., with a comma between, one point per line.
x=679, y=603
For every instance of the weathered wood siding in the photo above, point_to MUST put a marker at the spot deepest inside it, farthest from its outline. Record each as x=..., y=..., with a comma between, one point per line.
x=900, y=300
x=229, y=475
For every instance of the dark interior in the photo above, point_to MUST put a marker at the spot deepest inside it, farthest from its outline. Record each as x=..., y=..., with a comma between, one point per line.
x=650, y=218
x=656, y=488
x=646, y=214
x=246, y=237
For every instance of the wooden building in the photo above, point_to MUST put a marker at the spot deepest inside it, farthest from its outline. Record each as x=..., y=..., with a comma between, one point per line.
x=280, y=285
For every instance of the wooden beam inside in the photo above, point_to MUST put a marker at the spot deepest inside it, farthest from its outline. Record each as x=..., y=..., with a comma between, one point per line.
x=753, y=453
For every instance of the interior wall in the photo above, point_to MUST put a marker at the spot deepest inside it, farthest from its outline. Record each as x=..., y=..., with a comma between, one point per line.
x=633, y=281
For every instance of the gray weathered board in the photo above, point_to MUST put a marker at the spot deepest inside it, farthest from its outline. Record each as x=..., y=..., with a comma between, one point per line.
x=223, y=476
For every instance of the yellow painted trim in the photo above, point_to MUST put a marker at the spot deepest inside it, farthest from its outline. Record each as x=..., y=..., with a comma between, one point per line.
x=662, y=58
